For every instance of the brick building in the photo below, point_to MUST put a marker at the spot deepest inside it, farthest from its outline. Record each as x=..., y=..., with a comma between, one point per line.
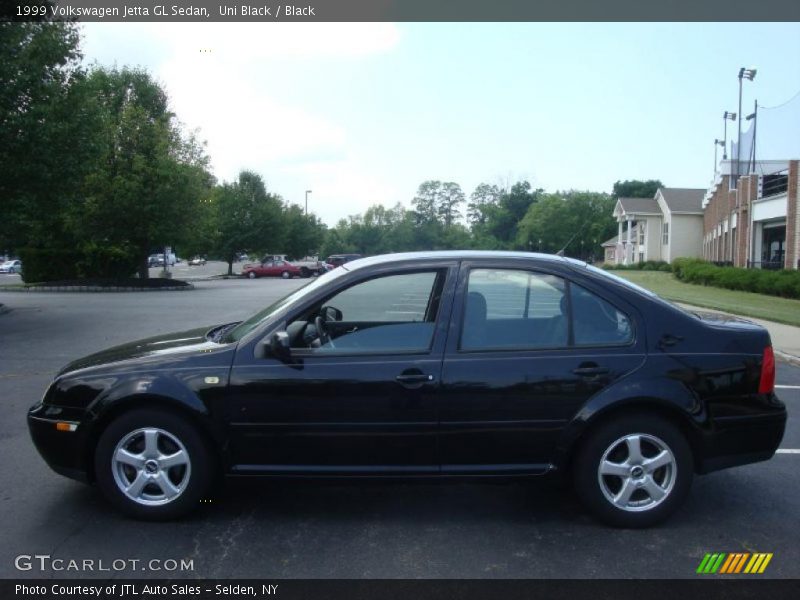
x=756, y=224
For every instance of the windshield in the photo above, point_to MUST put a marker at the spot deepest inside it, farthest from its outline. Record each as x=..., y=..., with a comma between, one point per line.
x=245, y=327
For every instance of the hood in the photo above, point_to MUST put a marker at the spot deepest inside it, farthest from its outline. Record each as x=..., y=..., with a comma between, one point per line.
x=168, y=346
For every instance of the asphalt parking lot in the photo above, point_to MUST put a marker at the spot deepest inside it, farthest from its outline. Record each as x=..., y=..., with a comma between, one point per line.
x=378, y=530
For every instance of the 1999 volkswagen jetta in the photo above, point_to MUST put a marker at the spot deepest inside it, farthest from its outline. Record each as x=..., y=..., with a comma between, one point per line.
x=469, y=364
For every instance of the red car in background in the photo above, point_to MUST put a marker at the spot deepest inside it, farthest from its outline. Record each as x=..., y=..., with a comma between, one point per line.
x=271, y=268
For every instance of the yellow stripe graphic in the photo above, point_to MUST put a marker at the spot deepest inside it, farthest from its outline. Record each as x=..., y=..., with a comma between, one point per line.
x=749, y=566
x=757, y=564
x=765, y=563
x=741, y=562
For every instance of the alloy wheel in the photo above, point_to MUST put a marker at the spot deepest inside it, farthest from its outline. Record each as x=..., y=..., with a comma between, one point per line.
x=151, y=466
x=637, y=472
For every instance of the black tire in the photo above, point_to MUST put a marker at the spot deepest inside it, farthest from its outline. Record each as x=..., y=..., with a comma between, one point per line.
x=598, y=492
x=305, y=272
x=252, y=275
x=286, y=275
x=195, y=478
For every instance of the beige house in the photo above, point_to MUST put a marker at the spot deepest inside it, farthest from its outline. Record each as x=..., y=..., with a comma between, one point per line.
x=665, y=227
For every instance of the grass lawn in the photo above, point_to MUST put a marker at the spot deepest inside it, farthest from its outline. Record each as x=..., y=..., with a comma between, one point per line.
x=771, y=308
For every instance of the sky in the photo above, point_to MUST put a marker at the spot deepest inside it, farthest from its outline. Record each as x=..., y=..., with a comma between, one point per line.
x=363, y=113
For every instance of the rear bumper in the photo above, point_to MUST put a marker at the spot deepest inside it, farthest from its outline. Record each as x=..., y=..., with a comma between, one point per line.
x=736, y=441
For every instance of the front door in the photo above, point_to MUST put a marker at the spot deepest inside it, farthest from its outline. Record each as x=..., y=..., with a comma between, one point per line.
x=359, y=393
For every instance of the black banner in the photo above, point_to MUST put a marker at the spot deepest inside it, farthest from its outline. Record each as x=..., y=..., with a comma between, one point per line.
x=401, y=10
x=394, y=589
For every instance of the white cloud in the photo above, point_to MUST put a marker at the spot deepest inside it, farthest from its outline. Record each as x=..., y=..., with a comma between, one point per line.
x=245, y=127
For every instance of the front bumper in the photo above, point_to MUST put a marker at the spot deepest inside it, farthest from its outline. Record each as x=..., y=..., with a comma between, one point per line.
x=64, y=451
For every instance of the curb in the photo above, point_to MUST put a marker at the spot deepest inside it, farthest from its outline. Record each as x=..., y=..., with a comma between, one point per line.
x=95, y=288
x=787, y=358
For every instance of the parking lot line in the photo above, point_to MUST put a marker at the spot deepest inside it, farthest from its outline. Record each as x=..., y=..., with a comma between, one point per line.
x=788, y=387
x=788, y=451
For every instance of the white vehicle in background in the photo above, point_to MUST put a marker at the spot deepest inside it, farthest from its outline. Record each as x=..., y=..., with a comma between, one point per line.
x=11, y=266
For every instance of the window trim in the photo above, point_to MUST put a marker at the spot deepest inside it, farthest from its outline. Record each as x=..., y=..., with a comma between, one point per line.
x=440, y=281
x=571, y=345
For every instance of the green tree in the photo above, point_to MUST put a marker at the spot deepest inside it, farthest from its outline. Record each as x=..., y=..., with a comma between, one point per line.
x=635, y=188
x=497, y=227
x=47, y=132
x=481, y=202
x=303, y=234
x=151, y=176
x=248, y=219
x=578, y=220
x=449, y=200
x=426, y=202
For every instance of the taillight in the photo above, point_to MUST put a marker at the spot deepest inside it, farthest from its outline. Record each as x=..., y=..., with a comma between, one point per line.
x=767, y=383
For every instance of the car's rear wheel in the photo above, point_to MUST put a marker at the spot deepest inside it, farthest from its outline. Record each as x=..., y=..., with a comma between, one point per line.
x=285, y=275
x=252, y=275
x=634, y=471
x=152, y=464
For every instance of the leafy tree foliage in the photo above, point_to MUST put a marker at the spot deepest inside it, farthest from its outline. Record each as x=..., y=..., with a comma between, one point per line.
x=635, y=188
x=150, y=177
x=247, y=218
x=579, y=221
x=46, y=134
x=303, y=233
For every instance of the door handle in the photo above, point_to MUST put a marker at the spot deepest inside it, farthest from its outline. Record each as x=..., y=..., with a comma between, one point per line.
x=414, y=378
x=590, y=371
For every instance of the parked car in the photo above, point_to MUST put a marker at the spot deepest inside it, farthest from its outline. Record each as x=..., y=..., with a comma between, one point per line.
x=197, y=261
x=271, y=268
x=336, y=260
x=155, y=260
x=437, y=364
x=11, y=266
x=309, y=266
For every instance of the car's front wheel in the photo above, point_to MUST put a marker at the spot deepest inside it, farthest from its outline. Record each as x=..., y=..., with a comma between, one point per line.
x=634, y=471
x=286, y=275
x=252, y=275
x=153, y=464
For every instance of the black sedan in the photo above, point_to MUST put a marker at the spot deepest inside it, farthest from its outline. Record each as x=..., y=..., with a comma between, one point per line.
x=439, y=364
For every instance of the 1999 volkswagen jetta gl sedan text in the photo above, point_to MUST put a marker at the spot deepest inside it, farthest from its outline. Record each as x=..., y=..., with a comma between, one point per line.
x=470, y=364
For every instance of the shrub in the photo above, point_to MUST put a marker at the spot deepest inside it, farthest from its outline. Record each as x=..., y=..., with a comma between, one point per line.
x=785, y=283
x=48, y=264
x=111, y=262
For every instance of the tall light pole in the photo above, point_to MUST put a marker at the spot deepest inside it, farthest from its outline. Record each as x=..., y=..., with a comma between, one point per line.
x=716, y=164
x=307, y=193
x=748, y=74
x=727, y=116
x=753, y=117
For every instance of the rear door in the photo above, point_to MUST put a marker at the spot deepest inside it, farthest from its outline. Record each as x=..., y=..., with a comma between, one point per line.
x=527, y=348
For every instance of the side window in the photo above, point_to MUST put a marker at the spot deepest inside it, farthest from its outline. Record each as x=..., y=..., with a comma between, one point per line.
x=595, y=321
x=393, y=313
x=507, y=309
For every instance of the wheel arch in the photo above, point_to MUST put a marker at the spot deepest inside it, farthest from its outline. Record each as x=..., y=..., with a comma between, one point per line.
x=581, y=428
x=112, y=410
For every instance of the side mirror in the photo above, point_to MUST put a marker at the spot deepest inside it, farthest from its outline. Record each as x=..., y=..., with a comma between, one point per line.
x=280, y=346
x=331, y=314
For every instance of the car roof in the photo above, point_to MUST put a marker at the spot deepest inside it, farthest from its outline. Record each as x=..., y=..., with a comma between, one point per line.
x=455, y=255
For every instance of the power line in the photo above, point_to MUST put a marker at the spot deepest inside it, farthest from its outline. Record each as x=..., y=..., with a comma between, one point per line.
x=781, y=105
